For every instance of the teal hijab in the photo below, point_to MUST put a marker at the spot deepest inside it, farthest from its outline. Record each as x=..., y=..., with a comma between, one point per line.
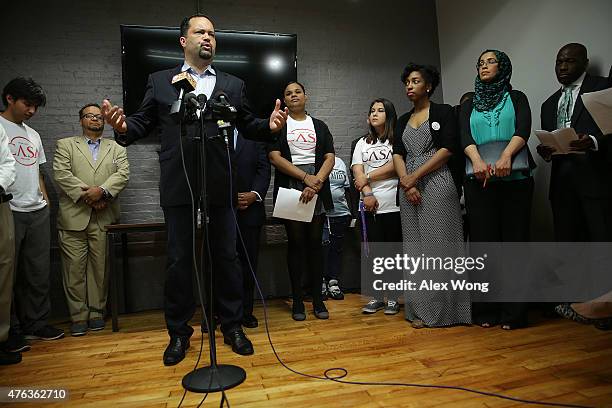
x=487, y=95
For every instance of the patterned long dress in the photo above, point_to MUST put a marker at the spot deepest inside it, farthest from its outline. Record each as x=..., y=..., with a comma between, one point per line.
x=437, y=220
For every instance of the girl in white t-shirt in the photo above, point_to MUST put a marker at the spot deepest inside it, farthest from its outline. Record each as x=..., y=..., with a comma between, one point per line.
x=376, y=179
x=303, y=156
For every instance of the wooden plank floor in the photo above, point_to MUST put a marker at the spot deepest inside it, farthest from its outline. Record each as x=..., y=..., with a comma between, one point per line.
x=554, y=360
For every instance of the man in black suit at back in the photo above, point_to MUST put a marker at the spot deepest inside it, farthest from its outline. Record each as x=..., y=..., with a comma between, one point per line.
x=253, y=183
x=197, y=38
x=580, y=184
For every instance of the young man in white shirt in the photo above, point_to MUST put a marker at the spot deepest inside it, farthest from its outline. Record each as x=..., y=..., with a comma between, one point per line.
x=31, y=304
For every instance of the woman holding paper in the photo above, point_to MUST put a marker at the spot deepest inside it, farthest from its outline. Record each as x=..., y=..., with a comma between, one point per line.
x=303, y=157
x=375, y=178
x=426, y=139
x=499, y=185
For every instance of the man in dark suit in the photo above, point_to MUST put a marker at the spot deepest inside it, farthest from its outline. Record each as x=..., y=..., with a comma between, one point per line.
x=580, y=184
x=253, y=183
x=198, y=41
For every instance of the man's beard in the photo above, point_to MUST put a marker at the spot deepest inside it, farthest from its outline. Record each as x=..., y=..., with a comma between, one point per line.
x=205, y=54
x=96, y=129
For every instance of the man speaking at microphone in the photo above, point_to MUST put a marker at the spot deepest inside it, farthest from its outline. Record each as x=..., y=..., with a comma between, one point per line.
x=198, y=41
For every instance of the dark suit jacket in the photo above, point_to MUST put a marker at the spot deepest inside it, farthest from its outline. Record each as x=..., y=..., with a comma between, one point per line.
x=446, y=136
x=586, y=174
x=154, y=114
x=253, y=175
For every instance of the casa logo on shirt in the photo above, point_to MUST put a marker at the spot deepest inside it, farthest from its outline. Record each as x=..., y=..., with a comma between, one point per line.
x=24, y=151
x=376, y=156
x=302, y=139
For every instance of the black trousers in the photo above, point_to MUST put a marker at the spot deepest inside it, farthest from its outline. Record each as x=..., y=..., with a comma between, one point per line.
x=250, y=236
x=501, y=212
x=304, y=256
x=581, y=219
x=179, y=303
x=385, y=227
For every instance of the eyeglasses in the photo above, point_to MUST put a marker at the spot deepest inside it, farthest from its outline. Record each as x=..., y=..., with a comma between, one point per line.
x=91, y=116
x=490, y=61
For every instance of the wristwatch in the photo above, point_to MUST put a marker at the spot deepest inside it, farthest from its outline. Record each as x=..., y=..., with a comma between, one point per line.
x=370, y=194
x=105, y=194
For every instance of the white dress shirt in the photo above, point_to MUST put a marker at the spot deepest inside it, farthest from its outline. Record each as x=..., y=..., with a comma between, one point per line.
x=205, y=81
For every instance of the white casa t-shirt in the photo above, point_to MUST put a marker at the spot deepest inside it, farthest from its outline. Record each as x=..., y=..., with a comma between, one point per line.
x=27, y=149
x=372, y=157
x=302, y=140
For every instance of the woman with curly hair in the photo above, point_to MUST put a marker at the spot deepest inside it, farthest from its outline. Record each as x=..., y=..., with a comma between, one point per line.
x=426, y=139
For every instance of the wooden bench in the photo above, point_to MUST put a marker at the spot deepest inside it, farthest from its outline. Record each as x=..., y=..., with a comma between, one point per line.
x=114, y=234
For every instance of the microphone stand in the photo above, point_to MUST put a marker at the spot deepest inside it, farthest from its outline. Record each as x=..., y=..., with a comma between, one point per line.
x=215, y=377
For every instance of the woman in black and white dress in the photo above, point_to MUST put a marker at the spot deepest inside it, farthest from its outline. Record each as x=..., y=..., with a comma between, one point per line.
x=427, y=137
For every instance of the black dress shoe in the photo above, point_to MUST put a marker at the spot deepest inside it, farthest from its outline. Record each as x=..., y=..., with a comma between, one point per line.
x=175, y=352
x=319, y=309
x=7, y=357
x=239, y=342
x=298, y=313
x=16, y=343
x=250, y=321
x=603, y=324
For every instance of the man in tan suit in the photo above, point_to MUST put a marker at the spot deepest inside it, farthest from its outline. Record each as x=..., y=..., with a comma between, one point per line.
x=91, y=172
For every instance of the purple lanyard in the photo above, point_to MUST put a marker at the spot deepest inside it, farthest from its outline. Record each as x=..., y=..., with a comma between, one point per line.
x=364, y=231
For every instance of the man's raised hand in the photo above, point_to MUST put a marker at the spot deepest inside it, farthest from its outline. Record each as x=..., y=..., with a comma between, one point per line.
x=278, y=118
x=113, y=115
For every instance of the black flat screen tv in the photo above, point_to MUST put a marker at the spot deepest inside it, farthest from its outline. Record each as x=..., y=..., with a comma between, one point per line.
x=265, y=61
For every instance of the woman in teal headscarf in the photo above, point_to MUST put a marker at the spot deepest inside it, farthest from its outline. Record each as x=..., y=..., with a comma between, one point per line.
x=495, y=127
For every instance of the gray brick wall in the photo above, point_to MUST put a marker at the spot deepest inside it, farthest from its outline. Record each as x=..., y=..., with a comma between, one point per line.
x=349, y=52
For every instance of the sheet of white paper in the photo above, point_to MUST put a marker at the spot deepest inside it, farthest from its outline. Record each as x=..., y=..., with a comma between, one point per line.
x=289, y=207
x=599, y=105
x=558, y=139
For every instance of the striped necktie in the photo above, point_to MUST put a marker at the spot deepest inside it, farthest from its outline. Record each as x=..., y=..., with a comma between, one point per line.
x=564, y=114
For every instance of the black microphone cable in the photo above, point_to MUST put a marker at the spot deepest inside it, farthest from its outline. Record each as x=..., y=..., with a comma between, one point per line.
x=343, y=372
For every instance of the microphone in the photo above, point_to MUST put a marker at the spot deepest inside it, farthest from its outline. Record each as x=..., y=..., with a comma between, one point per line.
x=219, y=93
x=221, y=107
x=223, y=100
x=191, y=100
x=183, y=82
x=194, y=102
x=202, y=99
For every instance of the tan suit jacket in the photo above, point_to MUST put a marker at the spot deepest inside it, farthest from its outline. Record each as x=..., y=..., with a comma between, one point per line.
x=74, y=168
